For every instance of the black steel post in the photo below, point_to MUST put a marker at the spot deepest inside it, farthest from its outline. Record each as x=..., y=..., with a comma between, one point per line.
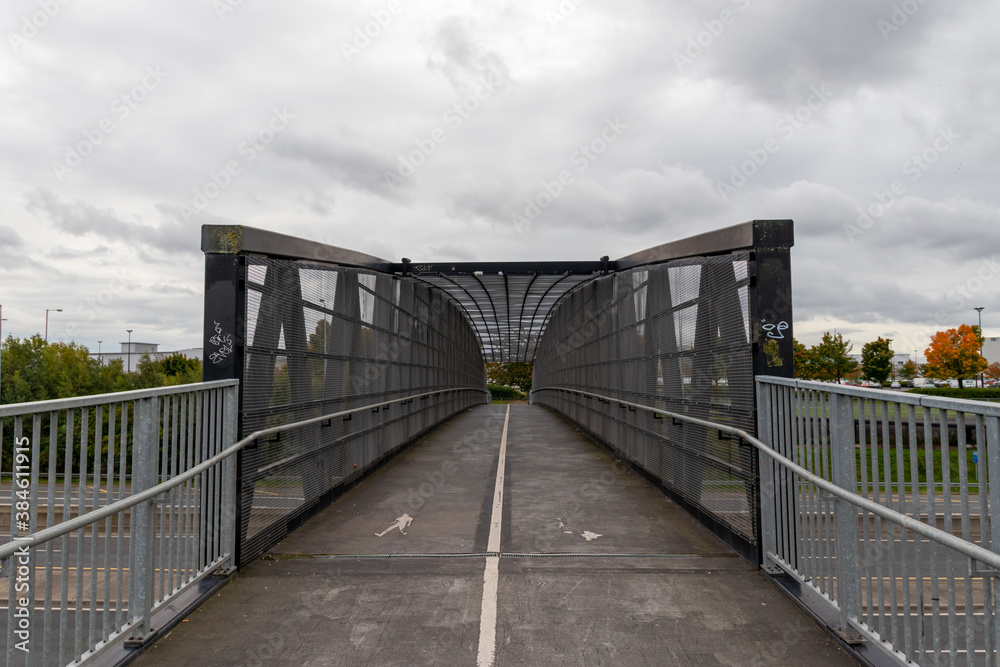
x=223, y=345
x=771, y=320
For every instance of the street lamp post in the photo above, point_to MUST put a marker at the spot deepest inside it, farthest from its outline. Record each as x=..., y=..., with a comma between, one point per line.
x=47, y=311
x=129, y=350
x=100, y=359
x=979, y=311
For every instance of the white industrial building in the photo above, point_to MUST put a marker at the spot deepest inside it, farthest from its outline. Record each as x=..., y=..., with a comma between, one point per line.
x=991, y=349
x=132, y=352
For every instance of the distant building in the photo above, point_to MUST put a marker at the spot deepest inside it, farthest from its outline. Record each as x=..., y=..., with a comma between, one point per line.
x=991, y=349
x=132, y=352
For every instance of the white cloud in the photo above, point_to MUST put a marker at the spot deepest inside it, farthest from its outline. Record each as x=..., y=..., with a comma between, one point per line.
x=557, y=82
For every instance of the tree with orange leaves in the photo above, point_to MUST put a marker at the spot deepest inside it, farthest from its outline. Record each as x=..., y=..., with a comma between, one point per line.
x=955, y=353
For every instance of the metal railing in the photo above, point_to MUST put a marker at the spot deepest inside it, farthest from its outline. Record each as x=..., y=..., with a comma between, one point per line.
x=171, y=525
x=825, y=527
x=880, y=503
x=118, y=502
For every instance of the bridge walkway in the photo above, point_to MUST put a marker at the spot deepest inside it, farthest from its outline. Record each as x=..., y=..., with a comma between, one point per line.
x=597, y=567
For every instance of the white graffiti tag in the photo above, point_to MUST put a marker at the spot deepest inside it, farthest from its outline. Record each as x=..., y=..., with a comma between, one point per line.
x=222, y=341
x=774, y=330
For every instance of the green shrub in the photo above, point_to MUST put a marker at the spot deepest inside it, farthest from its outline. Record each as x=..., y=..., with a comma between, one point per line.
x=971, y=393
x=501, y=392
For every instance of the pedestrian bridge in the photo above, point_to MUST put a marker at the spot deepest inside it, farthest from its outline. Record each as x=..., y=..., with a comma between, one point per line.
x=341, y=490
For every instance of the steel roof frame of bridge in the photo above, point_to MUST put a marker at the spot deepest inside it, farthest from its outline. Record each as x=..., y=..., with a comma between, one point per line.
x=507, y=303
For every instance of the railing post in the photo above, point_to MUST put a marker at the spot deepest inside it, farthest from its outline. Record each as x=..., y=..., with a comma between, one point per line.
x=765, y=489
x=843, y=463
x=145, y=456
x=227, y=539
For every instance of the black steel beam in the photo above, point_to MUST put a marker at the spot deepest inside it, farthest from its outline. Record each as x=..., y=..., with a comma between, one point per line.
x=746, y=235
x=238, y=239
x=506, y=268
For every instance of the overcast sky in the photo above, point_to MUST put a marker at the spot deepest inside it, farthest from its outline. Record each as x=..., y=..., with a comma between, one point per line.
x=498, y=131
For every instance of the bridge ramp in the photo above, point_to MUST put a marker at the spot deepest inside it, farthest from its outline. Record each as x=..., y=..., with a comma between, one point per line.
x=596, y=567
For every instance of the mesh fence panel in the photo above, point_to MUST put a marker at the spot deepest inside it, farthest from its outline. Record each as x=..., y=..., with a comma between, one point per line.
x=321, y=339
x=675, y=336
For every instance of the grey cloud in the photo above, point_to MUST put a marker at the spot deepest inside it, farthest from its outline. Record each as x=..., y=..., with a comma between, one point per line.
x=774, y=48
x=452, y=251
x=12, y=248
x=324, y=178
x=633, y=200
x=915, y=227
x=462, y=59
x=163, y=288
x=81, y=218
x=64, y=252
x=350, y=161
x=10, y=239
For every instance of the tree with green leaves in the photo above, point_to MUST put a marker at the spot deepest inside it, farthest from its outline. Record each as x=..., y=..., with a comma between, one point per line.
x=908, y=371
x=510, y=374
x=831, y=358
x=35, y=370
x=876, y=360
x=173, y=369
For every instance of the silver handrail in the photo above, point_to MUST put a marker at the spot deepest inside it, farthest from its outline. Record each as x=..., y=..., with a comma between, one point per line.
x=66, y=527
x=930, y=532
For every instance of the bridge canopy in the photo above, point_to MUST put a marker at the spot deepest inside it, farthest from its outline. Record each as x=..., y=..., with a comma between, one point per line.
x=507, y=303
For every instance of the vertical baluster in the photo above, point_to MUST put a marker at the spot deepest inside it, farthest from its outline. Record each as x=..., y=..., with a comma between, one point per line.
x=989, y=612
x=890, y=528
x=867, y=490
x=163, y=424
x=120, y=614
x=809, y=513
x=79, y=645
x=963, y=486
x=870, y=416
x=144, y=468
x=230, y=495
x=50, y=520
x=843, y=474
x=917, y=539
x=172, y=517
x=824, y=511
x=67, y=512
x=780, y=476
x=928, y=416
x=108, y=528
x=992, y=481
x=94, y=497
x=946, y=502
x=900, y=413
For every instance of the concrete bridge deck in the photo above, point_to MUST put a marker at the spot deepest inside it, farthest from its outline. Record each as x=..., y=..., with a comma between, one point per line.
x=597, y=567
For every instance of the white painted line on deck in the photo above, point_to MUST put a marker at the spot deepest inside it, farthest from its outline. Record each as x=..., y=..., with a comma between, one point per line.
x=491, y=577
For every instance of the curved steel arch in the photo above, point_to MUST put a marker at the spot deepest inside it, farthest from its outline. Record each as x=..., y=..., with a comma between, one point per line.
x=503, y=335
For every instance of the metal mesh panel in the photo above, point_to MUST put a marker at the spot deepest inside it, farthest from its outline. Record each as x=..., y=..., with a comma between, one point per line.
x=321, y=339
x=674, y=336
